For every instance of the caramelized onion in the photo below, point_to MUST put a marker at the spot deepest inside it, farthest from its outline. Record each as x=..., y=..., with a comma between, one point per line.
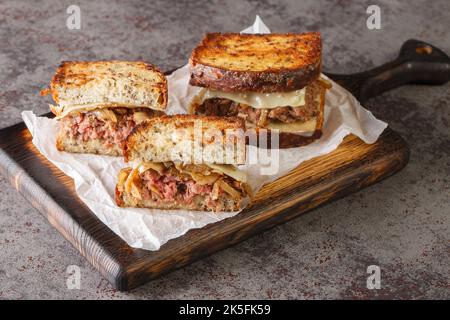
x=229, y=170
x=263, y=118
x=140, y=117
x=205, y=179
x=105, y=114
x=325, y=83
x=155, y=190
x=133, y=174
x=123, y=175
x=135, y=191
x=215, y=191
x=157, y=166
x=229, y=189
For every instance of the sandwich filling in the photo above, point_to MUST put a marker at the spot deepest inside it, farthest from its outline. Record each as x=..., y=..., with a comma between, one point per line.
x=204, y=187
x=296, y=110
x=110, y=125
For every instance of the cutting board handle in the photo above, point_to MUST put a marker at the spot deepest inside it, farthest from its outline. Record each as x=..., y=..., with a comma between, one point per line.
x=418, y=63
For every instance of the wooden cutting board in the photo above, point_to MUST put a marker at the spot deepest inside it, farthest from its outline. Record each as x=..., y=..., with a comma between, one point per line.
x=351, y=167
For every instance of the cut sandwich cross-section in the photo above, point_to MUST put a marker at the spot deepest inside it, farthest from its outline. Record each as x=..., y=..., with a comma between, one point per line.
x=172, y=185
x=100, y=102
x=169, y=174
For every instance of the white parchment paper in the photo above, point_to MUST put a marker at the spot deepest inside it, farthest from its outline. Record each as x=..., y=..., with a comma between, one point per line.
x=95, y=176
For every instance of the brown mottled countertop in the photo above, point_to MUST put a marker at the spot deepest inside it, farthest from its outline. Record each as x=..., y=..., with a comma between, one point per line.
x=401, y=224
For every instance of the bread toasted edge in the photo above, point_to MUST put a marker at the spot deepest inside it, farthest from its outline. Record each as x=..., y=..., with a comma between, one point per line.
x=280, y=80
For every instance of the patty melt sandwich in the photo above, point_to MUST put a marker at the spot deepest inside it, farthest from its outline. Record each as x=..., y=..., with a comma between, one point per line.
x=100, y=102
x=272, y=81
x=185, y=162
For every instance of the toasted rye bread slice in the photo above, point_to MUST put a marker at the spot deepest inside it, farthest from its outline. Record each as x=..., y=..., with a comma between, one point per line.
x=189, y=139
x=79, y=84
x=256, y=62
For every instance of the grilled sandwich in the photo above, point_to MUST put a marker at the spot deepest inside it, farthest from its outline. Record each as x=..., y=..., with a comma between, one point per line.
x=272, y=81
x=185, y=162
x=100, y=102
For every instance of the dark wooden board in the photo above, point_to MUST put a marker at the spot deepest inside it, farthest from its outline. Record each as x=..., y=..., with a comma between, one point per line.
x=351, y=167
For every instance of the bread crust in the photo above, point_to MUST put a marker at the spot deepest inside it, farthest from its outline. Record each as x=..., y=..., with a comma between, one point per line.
x=275, y=76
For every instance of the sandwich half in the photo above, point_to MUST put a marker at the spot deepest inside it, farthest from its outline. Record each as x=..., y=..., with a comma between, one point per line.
x=163, y=178
x=100, y=102
x=272, y=81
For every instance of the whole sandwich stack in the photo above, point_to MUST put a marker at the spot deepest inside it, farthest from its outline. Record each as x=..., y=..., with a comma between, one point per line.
x=272, y=81
x=100, y=102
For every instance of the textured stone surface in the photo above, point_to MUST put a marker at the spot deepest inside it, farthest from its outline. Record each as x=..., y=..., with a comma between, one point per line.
x=401, y=224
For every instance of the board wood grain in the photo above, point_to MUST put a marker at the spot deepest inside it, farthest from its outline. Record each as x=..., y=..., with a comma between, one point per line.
x=354, y=165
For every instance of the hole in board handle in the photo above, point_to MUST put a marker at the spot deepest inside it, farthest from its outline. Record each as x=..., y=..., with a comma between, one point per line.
x=424, y=49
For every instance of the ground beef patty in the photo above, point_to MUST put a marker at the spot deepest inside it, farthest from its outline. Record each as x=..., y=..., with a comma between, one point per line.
x=225, y=107
x=87, y=126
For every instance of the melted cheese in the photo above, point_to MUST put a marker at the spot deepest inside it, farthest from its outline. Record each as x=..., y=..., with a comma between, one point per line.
x=229, y=170
x=258, y=100
x=300, y=127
